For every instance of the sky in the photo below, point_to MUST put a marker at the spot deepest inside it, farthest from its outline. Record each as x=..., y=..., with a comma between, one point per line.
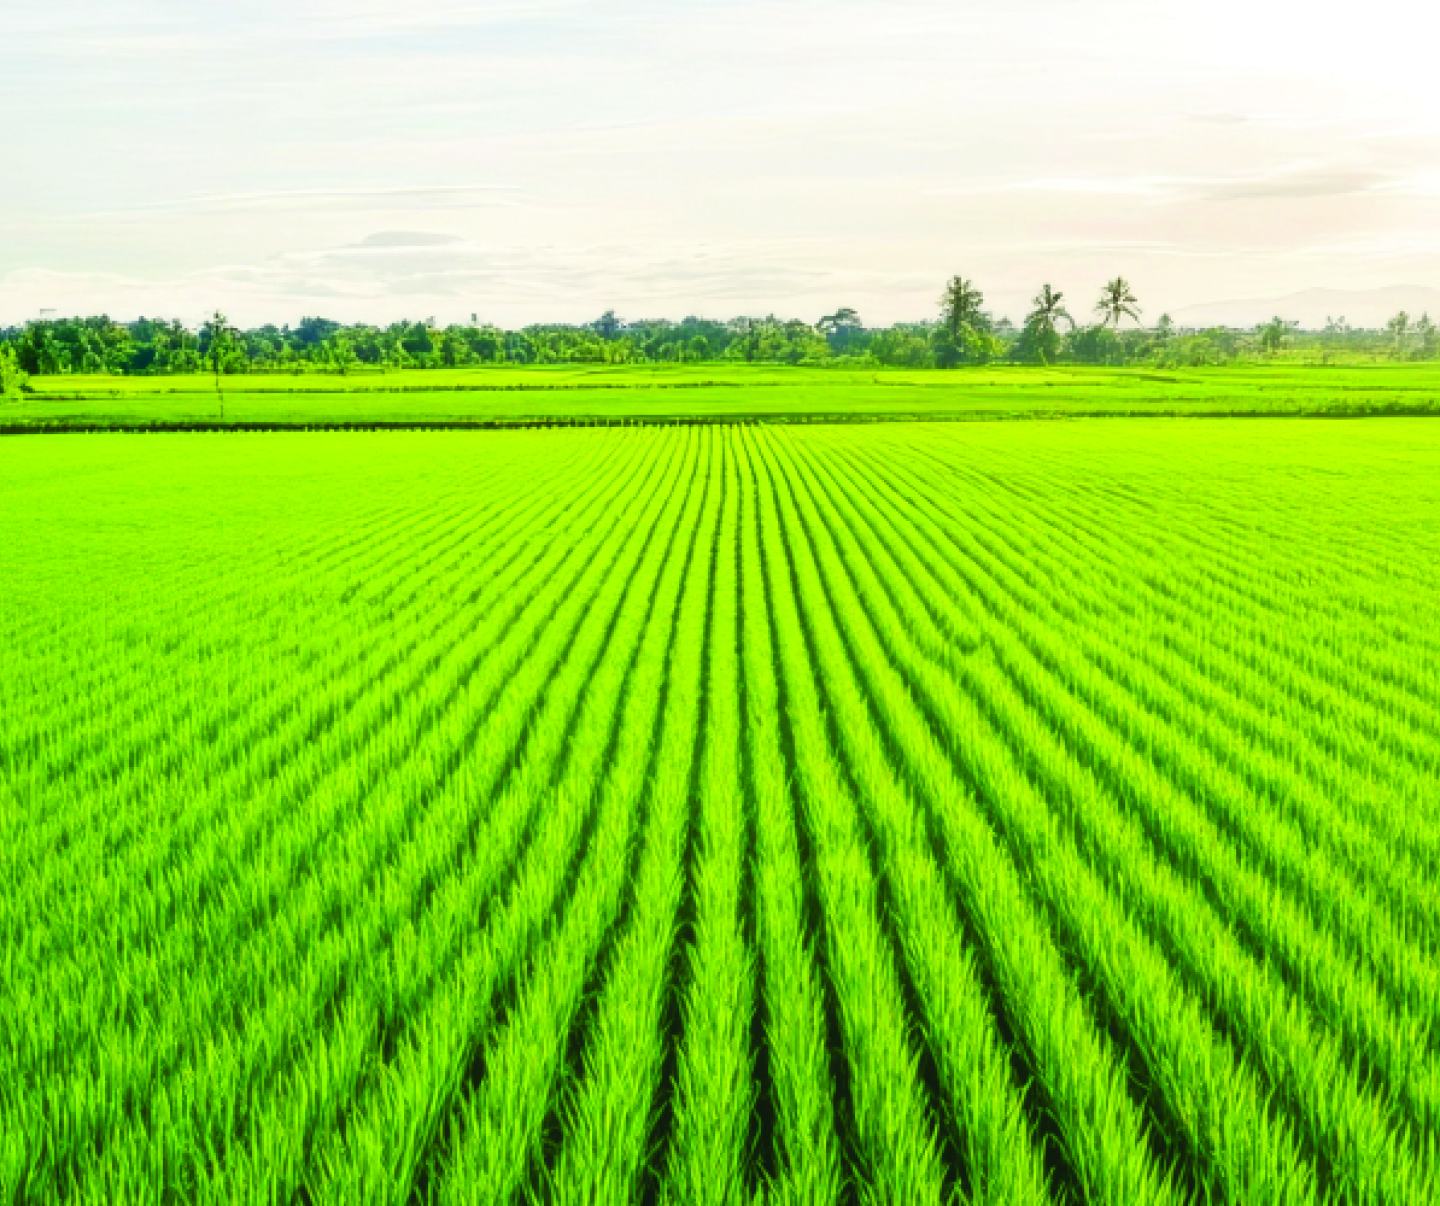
x=549, y=159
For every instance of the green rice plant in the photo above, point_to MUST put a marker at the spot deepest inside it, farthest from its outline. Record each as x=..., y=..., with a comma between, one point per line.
x=609, y=1116
x=1355, y=1134
x=1351, y=920
x=1002, y=1161
x=803, y=1163
x=260, y=975
x=497, y=1128
x=1105, y=1145
x=895, y=1134
x=709, y=1154
x=784, y=813
x=418, y=1086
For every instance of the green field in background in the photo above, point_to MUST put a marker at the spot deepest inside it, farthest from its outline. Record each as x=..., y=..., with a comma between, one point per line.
x=722, y=391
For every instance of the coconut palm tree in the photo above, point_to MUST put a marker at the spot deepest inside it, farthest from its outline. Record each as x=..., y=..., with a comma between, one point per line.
x=1042, y=333
x=1117, y=303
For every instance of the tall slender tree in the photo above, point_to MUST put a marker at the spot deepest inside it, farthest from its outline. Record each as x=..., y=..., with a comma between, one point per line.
x=1399, y=331
x=964, y=324
x=1041, y=336
x=1117, y=303
x=219, y=339
x=1427, y=337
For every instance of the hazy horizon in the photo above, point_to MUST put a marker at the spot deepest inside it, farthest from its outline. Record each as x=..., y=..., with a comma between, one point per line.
x=550, y=160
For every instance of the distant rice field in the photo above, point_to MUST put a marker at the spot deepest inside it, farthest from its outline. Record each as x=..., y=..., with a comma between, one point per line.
x=546, y=394
x=893, y=812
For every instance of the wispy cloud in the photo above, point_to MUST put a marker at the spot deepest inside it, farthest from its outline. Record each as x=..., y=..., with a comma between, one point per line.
x=1294, y=184
x=394, y=240
x=360, y=198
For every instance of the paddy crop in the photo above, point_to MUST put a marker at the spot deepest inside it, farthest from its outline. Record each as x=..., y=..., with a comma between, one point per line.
x=725, y=392
x=1011, y=812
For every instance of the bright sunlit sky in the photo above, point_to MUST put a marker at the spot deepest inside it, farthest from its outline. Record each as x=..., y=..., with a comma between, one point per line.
x=372, y=159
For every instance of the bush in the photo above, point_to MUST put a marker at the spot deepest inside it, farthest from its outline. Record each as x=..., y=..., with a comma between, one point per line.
x=12, y=376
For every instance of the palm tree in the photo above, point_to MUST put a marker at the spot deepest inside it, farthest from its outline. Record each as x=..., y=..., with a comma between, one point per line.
x=1049, y=308
x=1117, y=303
x=1042, y=331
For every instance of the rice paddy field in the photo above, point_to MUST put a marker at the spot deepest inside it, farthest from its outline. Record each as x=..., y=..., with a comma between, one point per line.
x=890, y=812
x=518, y=395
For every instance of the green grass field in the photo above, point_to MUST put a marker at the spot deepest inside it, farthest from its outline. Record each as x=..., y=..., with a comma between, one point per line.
x=895, y=812
x=718, y=392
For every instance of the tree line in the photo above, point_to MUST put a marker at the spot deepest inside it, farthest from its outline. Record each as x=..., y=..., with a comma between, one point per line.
x=1111, y=332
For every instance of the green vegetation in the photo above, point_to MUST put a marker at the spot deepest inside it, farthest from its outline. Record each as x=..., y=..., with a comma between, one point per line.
x=1024, y=812
x=666, y=393
x=963, y=333
x=12, y=376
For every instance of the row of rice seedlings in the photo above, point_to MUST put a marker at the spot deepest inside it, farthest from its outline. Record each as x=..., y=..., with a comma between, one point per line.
x=1214, y=538
x=102, y=713
x=152, y=738
x=94, y=697
x=167, y=925
x=607, y=1118
x=1208, y=1094
x=254, y=1038
x=255, y=724
x=1312, y=654
x=896, y=1153
x=1351, y=771
x=496, y=1129
x=1238, y=512
x=1019, y=567
x=353, y=915
x=160, y=907
x=1353, y=1132
x=1102, y=1134
x=800, y=1162
x=430, y=734
x=1303, y=943
x=1001, y=1159
x=1327, y=933
x=227, y=783
x=218, y=628
x=1350, y=1133
x=709, y=1153
x=394, y=1119
x=1281, y=657
x=1354, y=922
x=1317, y=549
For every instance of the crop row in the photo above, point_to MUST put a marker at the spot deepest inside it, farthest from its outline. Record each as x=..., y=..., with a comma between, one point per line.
x=893, y=813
